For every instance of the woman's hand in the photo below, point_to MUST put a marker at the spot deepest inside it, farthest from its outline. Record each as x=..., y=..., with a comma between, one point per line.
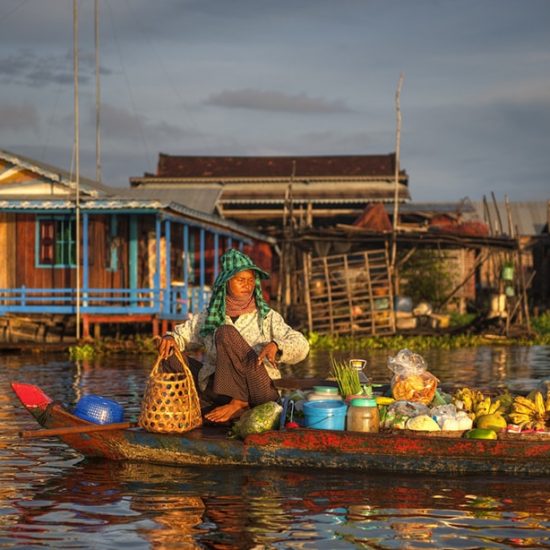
x=269, y=352
x=166, y=346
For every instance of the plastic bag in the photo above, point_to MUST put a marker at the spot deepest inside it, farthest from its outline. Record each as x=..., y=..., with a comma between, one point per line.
x=257, y=420
x=422, y=423
x=411, y=380
x=399, y=412
x=451, y=419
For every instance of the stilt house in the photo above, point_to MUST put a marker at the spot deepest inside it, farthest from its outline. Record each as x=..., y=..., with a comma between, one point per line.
x=143, y=258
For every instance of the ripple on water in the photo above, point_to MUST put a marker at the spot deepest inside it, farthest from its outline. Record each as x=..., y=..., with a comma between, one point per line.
x=51, y=497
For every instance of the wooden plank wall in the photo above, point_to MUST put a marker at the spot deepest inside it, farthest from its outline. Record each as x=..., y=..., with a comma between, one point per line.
x=31, y=276
x=7, y=245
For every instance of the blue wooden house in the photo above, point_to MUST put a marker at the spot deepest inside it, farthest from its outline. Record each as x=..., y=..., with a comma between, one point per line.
x=144, y=257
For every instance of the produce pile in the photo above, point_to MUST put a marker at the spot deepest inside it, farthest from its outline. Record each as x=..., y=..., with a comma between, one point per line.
x=417, y=404
x=420, y=406
x=519, y=413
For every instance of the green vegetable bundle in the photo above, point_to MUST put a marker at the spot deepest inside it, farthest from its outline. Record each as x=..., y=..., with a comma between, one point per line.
x=261, y=418
x=347, y=378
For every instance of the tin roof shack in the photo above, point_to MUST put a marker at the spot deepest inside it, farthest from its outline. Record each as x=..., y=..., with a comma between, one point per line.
x=143, y=259
x=263, y=192
x=527, y=271
x=450, y=233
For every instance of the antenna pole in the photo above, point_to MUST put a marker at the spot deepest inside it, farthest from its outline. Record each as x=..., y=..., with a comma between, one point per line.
x=77, y=163
x=396, y=194
x=97, y=95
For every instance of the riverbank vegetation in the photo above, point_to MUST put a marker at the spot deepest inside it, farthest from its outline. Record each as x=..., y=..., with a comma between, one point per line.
x=138, y=344
x=540, y=336
x=146, y=345
x=422, y=342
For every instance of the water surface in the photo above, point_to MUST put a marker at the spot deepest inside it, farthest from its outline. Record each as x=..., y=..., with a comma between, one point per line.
x=51, y=498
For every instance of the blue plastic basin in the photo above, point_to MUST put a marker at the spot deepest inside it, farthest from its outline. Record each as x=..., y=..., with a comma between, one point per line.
x=99, y=410
x=325, y=415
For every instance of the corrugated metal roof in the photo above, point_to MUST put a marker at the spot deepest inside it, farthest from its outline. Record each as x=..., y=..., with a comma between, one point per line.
x=303, y=201
x=87, y=186
x=460, y=207
x=124, y=204
x=203, y=199
x=530, y=218
x=198, y=204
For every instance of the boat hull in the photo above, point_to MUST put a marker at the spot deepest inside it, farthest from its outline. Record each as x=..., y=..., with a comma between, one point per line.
x=299, y=448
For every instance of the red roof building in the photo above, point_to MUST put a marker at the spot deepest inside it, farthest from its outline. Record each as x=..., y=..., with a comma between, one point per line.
x=322, y=190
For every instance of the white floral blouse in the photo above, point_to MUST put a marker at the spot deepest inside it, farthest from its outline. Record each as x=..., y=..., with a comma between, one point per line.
x=293, y=346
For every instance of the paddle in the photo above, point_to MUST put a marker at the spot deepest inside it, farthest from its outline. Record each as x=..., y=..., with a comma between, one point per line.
x=50, y=432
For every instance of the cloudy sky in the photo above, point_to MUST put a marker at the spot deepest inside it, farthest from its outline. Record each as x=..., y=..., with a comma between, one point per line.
x=289, y=77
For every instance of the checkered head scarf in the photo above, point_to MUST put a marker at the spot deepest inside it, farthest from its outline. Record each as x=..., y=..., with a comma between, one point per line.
x=232, y=262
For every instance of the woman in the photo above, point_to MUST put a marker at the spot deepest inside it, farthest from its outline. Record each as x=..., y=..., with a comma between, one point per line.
x=243, y=339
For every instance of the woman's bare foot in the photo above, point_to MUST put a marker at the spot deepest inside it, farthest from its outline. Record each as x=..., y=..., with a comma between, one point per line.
x=227, y=412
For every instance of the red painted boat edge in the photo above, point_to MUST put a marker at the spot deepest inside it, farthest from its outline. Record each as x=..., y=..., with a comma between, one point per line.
x=304, y=448
x=31, y=396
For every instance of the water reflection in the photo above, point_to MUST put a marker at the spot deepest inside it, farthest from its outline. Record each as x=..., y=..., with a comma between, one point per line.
x=166, y=507
x=50, y=497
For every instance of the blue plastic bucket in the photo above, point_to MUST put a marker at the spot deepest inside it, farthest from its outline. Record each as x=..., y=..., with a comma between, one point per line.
x=99, y=410
x=325, y=415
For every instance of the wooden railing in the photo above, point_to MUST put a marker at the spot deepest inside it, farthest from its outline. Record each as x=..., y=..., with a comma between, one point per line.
x=174, y=303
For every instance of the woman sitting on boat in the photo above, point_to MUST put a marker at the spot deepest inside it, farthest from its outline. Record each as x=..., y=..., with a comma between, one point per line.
x=243, y=339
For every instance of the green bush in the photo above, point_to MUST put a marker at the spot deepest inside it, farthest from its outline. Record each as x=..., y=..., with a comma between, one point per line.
x=425, y=277
x=81, y=352
x=541, y=324
x=461, y=319
x=418, y=343
x=111, y=346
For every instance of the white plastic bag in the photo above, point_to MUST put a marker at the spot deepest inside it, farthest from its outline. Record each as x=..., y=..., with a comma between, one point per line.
x=399, y=412
x=451, y=419
x=411, y=380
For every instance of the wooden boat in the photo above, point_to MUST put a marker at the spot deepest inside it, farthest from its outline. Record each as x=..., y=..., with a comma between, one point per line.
x=296, y=448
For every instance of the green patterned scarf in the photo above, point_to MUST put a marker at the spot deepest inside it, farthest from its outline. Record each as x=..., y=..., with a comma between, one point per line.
x=232, y=262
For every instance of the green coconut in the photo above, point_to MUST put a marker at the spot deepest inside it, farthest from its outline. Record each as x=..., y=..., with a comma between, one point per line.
x=481, y=433
x=493, y=421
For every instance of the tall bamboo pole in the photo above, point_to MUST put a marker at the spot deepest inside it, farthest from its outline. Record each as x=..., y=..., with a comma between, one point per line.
x=97, y=95
x=396, y=191
x=290, y=263
x=77, y=162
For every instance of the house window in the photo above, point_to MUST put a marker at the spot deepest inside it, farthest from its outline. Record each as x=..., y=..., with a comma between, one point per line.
x=56, y=242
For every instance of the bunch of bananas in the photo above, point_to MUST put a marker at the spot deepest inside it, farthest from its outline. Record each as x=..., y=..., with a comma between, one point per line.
x=531, y=412
x=466, y=399
x=486, y=406
x=475, y=403
x=506, y=399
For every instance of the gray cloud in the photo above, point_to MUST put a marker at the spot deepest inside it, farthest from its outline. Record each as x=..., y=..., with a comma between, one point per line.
x=475, y=102
x=120, y=123
x=34, y=70
x=29, y=69
x=19, y=117
x=479, y=146
x=274, y=101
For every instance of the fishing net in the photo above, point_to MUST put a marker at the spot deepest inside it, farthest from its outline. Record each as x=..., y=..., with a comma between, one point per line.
x=170, y=402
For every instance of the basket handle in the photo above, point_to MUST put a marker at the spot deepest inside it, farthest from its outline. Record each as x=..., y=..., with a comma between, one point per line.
x=156, y=365
x=180, y=358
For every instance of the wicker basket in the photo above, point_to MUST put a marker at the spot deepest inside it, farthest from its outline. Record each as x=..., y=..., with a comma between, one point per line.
x=170, y=403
